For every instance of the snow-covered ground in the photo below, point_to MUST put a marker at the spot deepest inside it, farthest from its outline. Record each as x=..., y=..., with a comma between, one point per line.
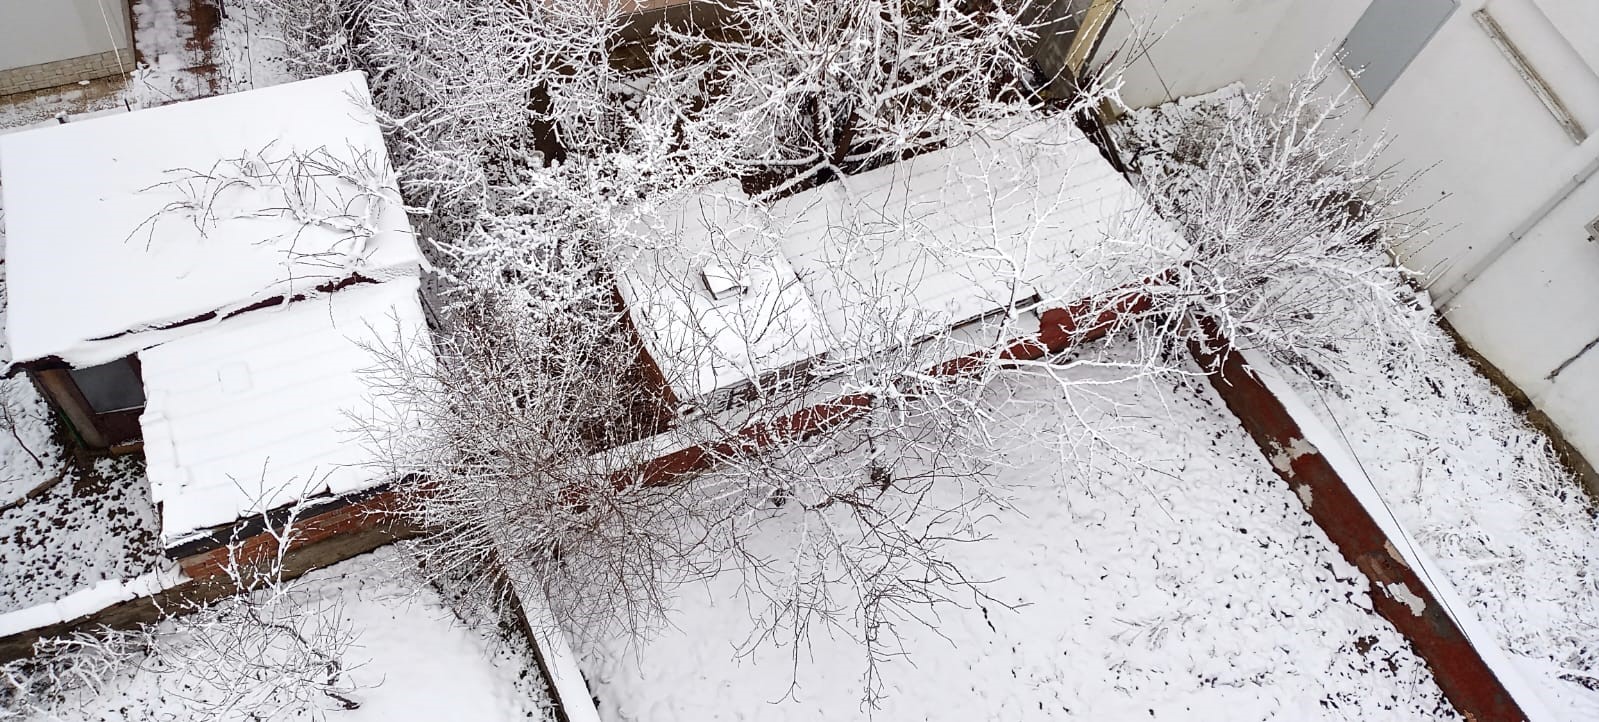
x=184, y=59
x=413, y=659
x=95, y=525
x=1483, y=494
x=1175, y=577
x=1462, y=471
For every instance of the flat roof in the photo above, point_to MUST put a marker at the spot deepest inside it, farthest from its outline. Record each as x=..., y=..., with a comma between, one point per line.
x=701, y=343
x=111, y=231
x=1030, y=211
x=273, y=406
x=962, y=232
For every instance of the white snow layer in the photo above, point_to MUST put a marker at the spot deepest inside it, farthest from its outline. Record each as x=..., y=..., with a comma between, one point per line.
x=885, y=256
x=29, y=457
x=1173, y=576
x=109, y=230
x=90, y=600
x=412, y=661
x=270, y=406
x=1365, y=490
x=1431, y=446
x=961, y=232
x=701, y=343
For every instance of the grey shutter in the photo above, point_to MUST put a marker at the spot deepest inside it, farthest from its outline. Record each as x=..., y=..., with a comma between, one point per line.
x=1388, y=36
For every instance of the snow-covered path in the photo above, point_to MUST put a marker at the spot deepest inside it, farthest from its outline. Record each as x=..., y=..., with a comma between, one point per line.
x=1174, y=578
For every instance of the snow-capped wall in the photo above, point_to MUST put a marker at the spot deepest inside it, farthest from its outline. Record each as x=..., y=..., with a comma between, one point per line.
x=1507, y=187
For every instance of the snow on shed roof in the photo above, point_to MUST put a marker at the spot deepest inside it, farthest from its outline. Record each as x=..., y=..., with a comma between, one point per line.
x=702, y=343
x=266, y=408
x=904, y=250
x=962, y=232
x=111, y=229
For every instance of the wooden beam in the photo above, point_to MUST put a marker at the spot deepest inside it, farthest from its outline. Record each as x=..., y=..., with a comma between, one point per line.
x=1096, y=19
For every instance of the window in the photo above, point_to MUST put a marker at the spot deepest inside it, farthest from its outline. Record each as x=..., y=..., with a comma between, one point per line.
x=1389, y=36
x=110, y=387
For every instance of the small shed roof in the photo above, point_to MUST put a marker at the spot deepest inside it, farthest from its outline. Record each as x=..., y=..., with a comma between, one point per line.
x=905, y=250
x=138, y=221
x=271, y=406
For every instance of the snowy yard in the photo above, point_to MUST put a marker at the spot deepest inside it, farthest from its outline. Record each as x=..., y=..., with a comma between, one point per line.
x=1466, y=475
x=1171, y=575
x=1481, y=491
x=1139, y=557
x=94, y=525
x=413, y=659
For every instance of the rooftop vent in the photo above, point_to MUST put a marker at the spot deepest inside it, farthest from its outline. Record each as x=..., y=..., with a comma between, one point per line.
x=723, y=282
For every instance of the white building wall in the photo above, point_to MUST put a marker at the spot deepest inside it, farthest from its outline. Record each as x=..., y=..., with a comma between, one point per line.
x=1168, y=49
x=1510, y=260
x=33, y=32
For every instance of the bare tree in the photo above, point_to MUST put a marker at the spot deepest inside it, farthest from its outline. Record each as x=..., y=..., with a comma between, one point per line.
x=539, y=172
x=532, y=460
x=270, y=652
x=1288, y=217
x=795, y=89
x=345, y=193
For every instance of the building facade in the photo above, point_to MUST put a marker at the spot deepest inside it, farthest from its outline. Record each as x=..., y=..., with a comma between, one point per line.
x=1496, y=101
x=46, y=43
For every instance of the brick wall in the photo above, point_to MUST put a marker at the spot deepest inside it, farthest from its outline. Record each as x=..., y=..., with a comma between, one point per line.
x=63, y=72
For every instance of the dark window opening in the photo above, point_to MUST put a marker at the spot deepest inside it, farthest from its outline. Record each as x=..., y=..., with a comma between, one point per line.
x=110, y=387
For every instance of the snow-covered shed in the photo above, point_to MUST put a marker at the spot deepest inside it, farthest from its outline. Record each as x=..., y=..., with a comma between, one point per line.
x=1029, y=217
x=212, y=281
x=714, y=298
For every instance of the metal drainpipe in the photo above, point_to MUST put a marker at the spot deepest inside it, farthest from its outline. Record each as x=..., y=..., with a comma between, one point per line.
x=1576, y=181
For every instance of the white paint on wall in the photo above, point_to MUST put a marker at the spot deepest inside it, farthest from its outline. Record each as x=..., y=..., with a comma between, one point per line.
x=1535, y=308
x=1577, y=22
x=1168, y=49
x=42, y=31
x=1514, y=267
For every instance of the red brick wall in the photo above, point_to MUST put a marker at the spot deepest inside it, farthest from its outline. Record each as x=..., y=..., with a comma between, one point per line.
x=374, y=514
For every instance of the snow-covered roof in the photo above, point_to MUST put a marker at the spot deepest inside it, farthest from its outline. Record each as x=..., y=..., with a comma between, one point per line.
x=267, y=407
x=702, y=341
x=137, y=221
x=960, y=233
x=902, y=251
